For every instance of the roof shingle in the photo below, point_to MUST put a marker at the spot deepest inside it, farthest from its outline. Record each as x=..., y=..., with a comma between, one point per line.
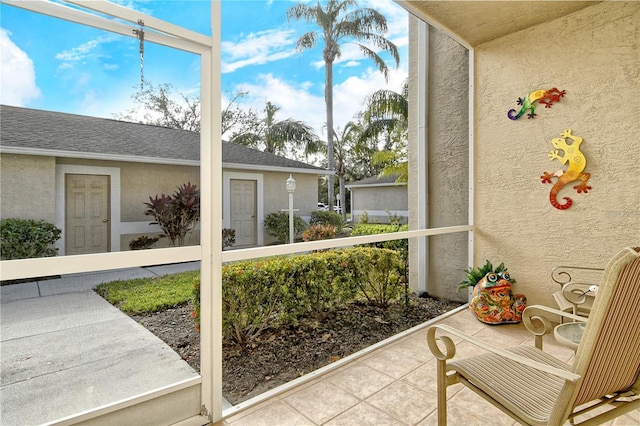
x=70, y=133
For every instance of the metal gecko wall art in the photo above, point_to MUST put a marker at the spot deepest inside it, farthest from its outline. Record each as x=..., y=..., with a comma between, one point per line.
x=546, y=97
x=576, y=163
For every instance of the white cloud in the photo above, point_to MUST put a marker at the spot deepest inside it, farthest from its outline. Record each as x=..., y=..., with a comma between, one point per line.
x=298, y=102
x=17, y=73
x=86, y=50
x=257, y=48
x=294, y=100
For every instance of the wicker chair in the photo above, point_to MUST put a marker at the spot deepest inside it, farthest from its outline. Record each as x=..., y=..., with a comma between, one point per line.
x=535, y=388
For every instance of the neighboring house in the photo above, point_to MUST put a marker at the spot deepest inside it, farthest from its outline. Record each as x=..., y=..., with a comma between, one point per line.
x=379, y=199
x=91, y=177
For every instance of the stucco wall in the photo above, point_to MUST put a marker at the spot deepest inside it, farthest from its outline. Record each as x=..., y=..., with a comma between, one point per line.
x=594, y=55
x=379, y=202
x=446, y=162
x=276, y=197
x=27, y=187
x=140, y=181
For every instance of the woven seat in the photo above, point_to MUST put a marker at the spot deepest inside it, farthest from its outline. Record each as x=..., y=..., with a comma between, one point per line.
x=535, y=388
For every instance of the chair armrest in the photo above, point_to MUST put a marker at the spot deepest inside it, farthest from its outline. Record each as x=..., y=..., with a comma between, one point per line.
x=450, y=351
x=538, y=324
x=534, y=312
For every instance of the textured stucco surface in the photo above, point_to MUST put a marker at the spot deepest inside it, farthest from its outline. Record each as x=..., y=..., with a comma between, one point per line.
x=276, y=197
x=28, y=191
x=447, y=162
x=376, y=201
x=593, y=54
x=27, y=187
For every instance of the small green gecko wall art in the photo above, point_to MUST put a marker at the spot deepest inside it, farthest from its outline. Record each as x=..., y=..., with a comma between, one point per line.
x=575, y=171
x=546, y=97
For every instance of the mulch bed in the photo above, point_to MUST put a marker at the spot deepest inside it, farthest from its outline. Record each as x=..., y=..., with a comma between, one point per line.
x=280, y=355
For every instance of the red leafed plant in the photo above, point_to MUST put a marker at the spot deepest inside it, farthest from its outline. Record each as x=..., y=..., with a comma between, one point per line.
x=176, y=215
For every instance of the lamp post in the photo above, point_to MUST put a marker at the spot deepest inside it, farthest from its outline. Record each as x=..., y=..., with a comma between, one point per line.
x=291, y=187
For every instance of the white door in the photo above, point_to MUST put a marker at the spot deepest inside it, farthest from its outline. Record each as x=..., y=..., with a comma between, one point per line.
x=243, y=211
x=86, y=214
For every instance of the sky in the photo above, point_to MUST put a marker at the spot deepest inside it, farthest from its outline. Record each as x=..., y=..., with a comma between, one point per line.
x=51, y=64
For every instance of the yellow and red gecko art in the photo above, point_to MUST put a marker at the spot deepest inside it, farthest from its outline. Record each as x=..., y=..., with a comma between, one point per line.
x=577, y=162
x=546, y=97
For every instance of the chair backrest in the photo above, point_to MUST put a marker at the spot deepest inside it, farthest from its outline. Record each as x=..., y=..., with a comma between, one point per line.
x=608, y=358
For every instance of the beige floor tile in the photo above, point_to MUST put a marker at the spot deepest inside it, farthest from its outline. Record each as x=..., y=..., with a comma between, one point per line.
x=404, y=402
x=364, y=414
x=416, y=347
x=392, y=361
x=467, y=408
x=360, y=380
x=503, y=336
x=424, y=378
x=275, y=414
x=464, y=321
x=321, y=401
x=629, y=419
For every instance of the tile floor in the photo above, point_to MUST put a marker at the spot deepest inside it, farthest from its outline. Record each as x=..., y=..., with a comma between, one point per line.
x=395, y=385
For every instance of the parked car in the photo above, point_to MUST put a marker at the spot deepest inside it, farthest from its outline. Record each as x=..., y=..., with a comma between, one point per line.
x=322, y=206
x=337, y=209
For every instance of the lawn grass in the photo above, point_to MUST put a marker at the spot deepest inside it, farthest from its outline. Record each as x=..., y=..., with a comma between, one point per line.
x=145, y=295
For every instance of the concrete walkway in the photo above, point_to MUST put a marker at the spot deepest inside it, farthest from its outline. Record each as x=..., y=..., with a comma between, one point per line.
x=65, y=350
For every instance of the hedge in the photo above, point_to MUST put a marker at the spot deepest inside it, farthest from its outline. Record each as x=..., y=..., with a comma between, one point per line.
x=275, y=291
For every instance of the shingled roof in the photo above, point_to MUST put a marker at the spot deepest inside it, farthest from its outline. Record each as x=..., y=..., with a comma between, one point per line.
x=38, y=132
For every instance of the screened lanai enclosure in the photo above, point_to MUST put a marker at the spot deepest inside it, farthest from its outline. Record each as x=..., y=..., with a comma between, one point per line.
x=201, y=395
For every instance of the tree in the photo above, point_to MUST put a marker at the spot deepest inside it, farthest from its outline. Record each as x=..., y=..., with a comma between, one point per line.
x=386, y=115
x=277, y=137
x=162, y=105
x=337, y=25
x=345, y=144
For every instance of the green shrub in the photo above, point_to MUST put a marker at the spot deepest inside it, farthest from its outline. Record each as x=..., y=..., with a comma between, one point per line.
x=277, y=225
x=401, y=246
x=319, y=232
x=374, y=229
x=27, y=238
x=260, y=293
x=250, y=296
x=383, y=283
x=143, y=242
x=363, y=217
x=326, y=217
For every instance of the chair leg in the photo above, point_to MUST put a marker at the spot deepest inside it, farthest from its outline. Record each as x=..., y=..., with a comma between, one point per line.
x=441, y=373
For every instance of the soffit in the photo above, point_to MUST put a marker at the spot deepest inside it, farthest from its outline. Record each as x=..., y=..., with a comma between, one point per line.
x=477, y=22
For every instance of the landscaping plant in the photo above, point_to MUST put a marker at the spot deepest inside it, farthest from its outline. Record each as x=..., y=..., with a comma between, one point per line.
x=277, y=225
x=276, y=291
x=476, y=274
x=27, y=238
x=177, y=215
x=326, y=217
x=319, y=232
x=143, y=242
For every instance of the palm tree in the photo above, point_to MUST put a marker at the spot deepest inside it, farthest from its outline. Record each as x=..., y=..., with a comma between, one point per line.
x=279, y=136
x=386, y=115
x=338, y=25
x=347, y=142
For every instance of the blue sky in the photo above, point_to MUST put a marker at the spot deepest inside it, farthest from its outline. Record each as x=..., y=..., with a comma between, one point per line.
x=56, y=65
